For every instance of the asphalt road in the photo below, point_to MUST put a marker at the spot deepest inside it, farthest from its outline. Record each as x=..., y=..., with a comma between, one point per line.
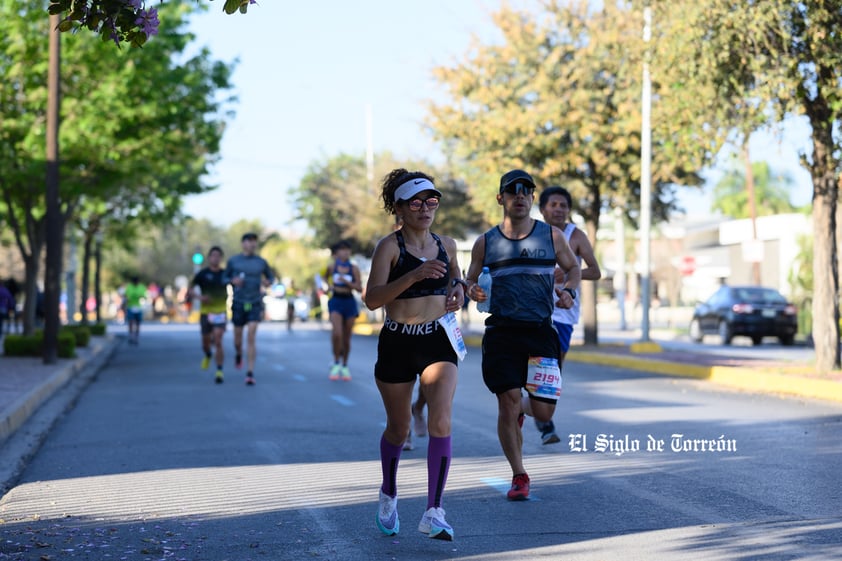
x=155, y=461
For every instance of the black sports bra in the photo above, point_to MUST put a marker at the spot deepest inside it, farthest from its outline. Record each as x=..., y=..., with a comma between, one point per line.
x=407, y=262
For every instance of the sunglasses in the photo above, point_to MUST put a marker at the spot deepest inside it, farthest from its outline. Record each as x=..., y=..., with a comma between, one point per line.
x=432, y=203
x=518, y=188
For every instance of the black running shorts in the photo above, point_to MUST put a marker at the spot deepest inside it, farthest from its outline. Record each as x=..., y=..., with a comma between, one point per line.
x=506, y=351
x=404, y=351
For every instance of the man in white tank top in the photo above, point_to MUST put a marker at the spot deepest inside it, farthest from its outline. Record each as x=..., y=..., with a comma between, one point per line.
x=555, y=204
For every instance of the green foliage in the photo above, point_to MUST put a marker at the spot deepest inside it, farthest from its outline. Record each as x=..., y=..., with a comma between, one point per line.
x=81, y=333
x=337, y=200
x=296, y=260
x=161, y=252
x=33, y=345
x=129, y=152
x=97, y=329
x=117, y=20
x=800, y=278
x=782, y=59
x=771, y=191
x=560, y=97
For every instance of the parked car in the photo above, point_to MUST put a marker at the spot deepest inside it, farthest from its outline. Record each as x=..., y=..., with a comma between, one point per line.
x=753, y=311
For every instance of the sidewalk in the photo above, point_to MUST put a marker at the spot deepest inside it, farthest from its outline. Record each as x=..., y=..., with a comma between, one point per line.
x=27, y=389
x=667, y=354
x=759, y=374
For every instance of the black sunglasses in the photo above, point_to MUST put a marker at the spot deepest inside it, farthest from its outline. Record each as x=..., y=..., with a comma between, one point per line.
x=517, y=188
x=432, y=203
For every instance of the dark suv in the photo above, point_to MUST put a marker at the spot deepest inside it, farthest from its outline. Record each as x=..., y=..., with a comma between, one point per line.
x=752, y=311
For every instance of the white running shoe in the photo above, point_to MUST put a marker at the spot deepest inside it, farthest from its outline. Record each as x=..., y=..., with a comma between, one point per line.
x=387, y=515
x=434, y=525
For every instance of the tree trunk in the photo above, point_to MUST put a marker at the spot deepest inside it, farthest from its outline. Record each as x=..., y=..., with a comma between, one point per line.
x=752, y=206
x=825, y=264
x=86, y=278
x=31, y=264
x=98, y=278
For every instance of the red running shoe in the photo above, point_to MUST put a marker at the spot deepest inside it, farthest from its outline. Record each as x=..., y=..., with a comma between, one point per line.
x=520, y=488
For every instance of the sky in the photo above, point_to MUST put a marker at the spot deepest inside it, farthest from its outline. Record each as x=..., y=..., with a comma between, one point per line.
x=309, y=72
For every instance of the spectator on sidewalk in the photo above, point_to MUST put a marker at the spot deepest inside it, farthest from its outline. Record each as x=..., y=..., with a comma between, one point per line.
x=7, y=305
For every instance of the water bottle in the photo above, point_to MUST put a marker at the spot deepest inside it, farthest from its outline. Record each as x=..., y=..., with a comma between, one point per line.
x=484, y=282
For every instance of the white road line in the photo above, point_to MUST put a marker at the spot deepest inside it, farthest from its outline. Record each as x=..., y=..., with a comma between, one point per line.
x=299, y=378
x=342, y=400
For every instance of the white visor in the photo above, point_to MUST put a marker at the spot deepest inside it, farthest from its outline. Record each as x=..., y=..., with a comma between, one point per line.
x=414, y=186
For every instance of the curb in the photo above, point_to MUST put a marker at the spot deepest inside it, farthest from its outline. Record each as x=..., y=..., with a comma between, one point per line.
x=30, y=419
x=747, y=379
x=22, y=409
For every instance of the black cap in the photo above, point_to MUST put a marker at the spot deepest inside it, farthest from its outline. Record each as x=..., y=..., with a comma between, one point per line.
x=248, y=236
x=514, y=176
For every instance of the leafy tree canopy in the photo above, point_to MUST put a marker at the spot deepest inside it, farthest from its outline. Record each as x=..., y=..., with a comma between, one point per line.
x=560, y=97
x=338, y=201
x=782, y=58
x=771, y=191
x=129, y=152
x=120, y=21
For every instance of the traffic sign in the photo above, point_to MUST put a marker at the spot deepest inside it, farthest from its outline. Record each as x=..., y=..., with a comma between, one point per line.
x=687, y=265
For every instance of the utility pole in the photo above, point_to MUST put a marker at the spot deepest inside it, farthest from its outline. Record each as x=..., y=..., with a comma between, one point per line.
x=620, y=273
x=54, y=219
x=752, y=209
x=645, y=180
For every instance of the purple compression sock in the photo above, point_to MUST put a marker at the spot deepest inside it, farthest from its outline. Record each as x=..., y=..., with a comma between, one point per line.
x=438, y=464
x=390, y=454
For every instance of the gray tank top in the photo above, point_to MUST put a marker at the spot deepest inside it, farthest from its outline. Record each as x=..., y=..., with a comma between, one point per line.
x=522, y=276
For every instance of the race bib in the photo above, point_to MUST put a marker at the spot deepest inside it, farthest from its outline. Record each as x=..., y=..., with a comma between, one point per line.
x=218, y=319
x=454, y=334
x=543, y=378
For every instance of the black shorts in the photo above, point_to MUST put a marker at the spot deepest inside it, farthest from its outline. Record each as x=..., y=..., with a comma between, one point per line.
x=246, y=312
x=404, y=351
x=506, y=352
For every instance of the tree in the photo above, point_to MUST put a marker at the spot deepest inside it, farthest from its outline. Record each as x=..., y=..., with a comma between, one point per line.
x=800, y=278
x=338, y=202
x=120, y=20
x=771, y=190
x=164, y=251
x=560, y=97
x=152, y=148
x=787, y=57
